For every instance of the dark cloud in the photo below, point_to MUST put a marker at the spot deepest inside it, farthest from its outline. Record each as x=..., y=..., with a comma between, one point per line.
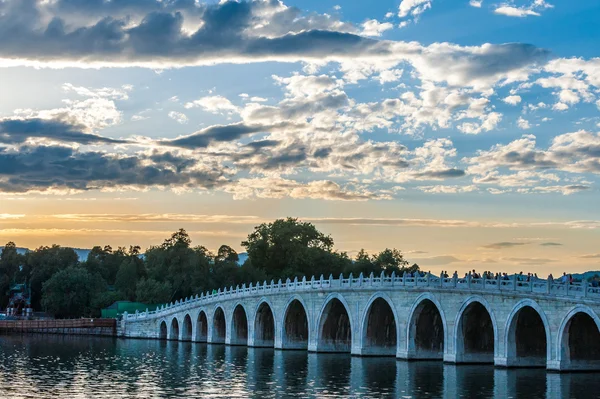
x=441, y=174
x=151, y=33
x=216, y=133
x=32, y=168
x=551, y=244
x=16, y=131
x=505, y=244
x=159, y=36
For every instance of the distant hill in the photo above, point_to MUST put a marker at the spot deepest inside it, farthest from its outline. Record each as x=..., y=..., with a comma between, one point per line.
x=82, y=254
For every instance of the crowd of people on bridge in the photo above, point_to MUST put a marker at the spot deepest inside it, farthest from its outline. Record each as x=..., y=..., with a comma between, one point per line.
x=519, y=277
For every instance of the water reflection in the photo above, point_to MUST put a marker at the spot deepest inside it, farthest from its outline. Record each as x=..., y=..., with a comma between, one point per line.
x=82, y=367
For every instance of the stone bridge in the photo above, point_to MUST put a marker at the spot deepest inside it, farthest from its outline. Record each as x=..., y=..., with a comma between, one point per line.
x=509, y=323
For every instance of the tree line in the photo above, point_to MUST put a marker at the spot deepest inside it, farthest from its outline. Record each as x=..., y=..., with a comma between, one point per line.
x=286, y=248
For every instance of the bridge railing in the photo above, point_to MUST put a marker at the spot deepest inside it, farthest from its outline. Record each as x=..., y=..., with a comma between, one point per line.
x=512, y=283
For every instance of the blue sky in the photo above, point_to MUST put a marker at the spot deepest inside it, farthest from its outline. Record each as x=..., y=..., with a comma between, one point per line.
x=439, y=127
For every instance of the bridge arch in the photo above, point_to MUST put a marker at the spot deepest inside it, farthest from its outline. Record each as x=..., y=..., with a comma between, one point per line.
x=201, y=327
x=163, y=330
x=379, y=335
x=426, y=329
x=475, y=332
x=579, y=340
x=174, y=331
x=239, y=325
x=187, y=328
x=296, y=327
x=264, y=324
x=219, y=327
x=527, y=336
x=334, y=332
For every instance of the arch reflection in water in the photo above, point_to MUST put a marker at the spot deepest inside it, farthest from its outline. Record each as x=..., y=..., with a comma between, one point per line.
x=118, y=369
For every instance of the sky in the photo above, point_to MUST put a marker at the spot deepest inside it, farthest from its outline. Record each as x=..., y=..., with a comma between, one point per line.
x=464, y=133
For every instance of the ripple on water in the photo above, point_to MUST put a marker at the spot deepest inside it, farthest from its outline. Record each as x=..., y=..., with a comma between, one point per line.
x=43, y=367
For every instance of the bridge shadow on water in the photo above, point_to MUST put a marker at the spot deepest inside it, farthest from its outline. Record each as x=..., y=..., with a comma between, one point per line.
x=62, y=366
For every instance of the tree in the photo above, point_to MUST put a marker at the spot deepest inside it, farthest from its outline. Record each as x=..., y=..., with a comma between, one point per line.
x=69, y=292
x=153, y=292
x=43, y=263
x=390, y=260
x=287, y=246
x=11, y=263
x=226, y=254
x=127, y=278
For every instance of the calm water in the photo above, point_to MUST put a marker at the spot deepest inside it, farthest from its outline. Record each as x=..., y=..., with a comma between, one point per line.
x=79, y=367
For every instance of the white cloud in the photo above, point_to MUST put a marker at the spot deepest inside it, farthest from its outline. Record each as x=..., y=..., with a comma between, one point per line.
x=523, y=123
x=104, y=92
x=178, y=117
x=413, y=7
x=447, y=189
x=512, y=100
x=374, y=28
x=533, y=9
x=560, y=107
x=476, y=3
x=213, y=104
x=515, y=11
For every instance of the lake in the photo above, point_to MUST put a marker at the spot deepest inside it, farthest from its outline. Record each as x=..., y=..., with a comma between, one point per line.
x=37, y=366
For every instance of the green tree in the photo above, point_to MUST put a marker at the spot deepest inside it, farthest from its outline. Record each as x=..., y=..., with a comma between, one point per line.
x=43, y=263
x=390, y=260
x=127, y=279
x=69, y=292
x=226, y=254
x=11, y=263
x=288, y=247
x=153, y=292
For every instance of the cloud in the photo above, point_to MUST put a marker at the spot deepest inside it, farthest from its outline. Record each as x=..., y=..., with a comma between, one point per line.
x=17, y=131
x=9, y=216
x=476, y=3
x=158, y=217
x=213, y=104
x=512, y=100
x=577, y=152
x=530, y=261
x=523, y=123
x=515, y=11
x=413, y=7
x=48, y=168
x=217, y=133
x=436, y=260
x=590, y=256
x=179, y=117
x=374, y=28
x=533, y=9
x=551, y=244
x=282, y=188
x=504, y=244
x=447, y=189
